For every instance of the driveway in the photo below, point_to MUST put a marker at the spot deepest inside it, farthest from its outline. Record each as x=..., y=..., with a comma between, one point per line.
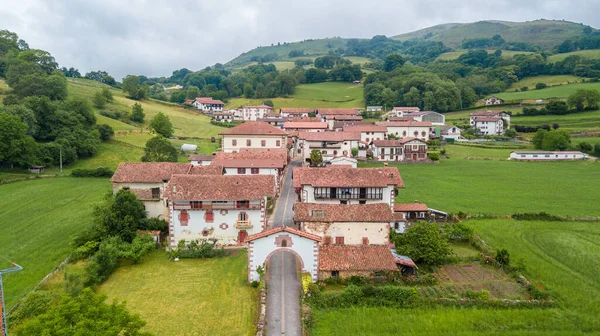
x=283, y=294
x=284, y=214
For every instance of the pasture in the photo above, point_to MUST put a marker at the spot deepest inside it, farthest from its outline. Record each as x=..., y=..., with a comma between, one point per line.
x=37, y=221
x=500, y=187
x=452, y=55
x=188, y=297
x=593, y=54
x=561, y=91
x=328, y=94
x=530, y=82
x=562, y=255
x=575, y=122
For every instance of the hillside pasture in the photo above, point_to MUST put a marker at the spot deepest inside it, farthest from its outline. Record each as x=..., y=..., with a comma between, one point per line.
x=530, y=82
x=591, y=54
x=38, y=219
x=328, y=94
x=188, y=297
x=452, y=55
x=500, y=187
x=561, y=91
x=589, y=120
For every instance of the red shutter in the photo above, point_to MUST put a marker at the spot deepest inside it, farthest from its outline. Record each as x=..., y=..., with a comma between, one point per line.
x=365, y=240
x=209, y=216
x=183, y=218
x=339, y=240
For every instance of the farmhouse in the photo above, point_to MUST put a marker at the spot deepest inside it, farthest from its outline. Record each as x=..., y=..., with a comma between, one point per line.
x=416, y=129
x=489, y=114
x=305, y=126
x=368, y=132
x=339, y=125
x=344, y=261
x=399, y=111
x=493, y=101
x=450, y=132
x=200, y=160
x=253, y=162
x=324, y=112
x=222, y=116
x=406, y=149
x=253, y=113
x=296, y=112
x=332, y=119
x=252, y=134
x=276, y=122
x=406, y=213
x=147, y=180
x=548, y=156
x=207, y=104
x=341, y=185
x=226, y=208
x=489, y=125
x=357, y=224
x=331, y=144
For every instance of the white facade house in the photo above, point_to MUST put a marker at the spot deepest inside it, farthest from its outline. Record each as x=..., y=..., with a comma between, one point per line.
x=343, y=161
x=296, y=112
x=148, y=179
x=263, y=245
x=357, y=224
x=368, y=132
x=222, y=116
x=405, y=149
x=305, y=126
x=450, y=132
x=489, y=125
x=344, y=185
x=253, y=134
x=489, y=114
x=225, y=208
x=493, y=101
x=414, y=129
x=253, y=113
x=200, y=160
x=331, y=144
x=374, y=108
x=548, y=156
x=400, y=111
x=207, y=104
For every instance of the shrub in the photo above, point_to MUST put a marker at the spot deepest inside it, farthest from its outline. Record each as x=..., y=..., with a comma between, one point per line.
x=502, y=257
x=458, y=231
x=525, y=88
x=198, y=249
x=106, y=132
x=102, y=263
x=155, y=224
x=86, y=250
x=357, y=280
x=98, y=172
x=424, y=243
x=434, y=156
x=540, y=216
x=540, y=86
x=74, y=282
x=371, y=296
x=111, y=114
x=482, y=295
x=254, y=284
x=538, y=291
x=426, y=279
x=354, y=152
x=34, y=304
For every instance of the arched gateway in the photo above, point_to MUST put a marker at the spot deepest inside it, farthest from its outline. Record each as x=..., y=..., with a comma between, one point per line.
x=304, y=245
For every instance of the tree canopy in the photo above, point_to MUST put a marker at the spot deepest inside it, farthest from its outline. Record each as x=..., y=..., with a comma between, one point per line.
x=162, y=125
x=159, y=149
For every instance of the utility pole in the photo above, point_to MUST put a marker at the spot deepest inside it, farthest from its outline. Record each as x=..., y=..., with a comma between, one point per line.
x=3, y=326
x=60, y=154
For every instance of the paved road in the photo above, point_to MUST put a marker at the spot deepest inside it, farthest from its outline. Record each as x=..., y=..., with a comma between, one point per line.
x=283, y=296
x=284, y=214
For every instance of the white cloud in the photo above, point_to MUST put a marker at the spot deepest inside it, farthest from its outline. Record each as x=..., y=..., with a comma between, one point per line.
x=156, y=37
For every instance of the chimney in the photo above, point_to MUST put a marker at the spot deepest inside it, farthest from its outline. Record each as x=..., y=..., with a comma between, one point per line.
x=416, y=201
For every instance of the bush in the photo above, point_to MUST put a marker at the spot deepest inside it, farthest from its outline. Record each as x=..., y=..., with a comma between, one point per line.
x=540, y=216
x=370, y=296
x=103, y=263
x=434, y=156
x=458, y=231
x=426, y=279
x=502, y=257
x=86, y=250
x=254, y=284
x=482, y=295
x=106, y=132
x=540, y=86
x=538, y=291
x=74, y=282
x=356, y=280
x=524, y=88
x=111, y=114
x=98, y=172
x=155, y=224
x=198, y=249
x=34, y=304
x=585, y=147
x=424, y=243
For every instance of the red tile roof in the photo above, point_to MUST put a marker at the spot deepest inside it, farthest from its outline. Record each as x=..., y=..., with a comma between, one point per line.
x=403, y=207
x=249, y=163
x=254, y=128
x=365, y=128
x=337, y=111
x=347, y=177
x=329, y=136
x=347, y=118
x=356, y=258
x=223, y=187
x=404, y=123
x=312, y=212
x=405, y=108
x=299, y=110
x=283, y=229
x=212, y=169
x=305, y=119
x=305, y=125
x=279, y=154
x=488, y=113
x=208, y=100
x=148, y=172
x=200, y=157
x=395, y=143
x=487, y=119
x=396, y=119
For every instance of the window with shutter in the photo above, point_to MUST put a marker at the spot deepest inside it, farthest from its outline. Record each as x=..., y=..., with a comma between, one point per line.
x=254, y=170
x=365, y=240
x=339, y=240
x=234, y=142
x=278, y=143
x=263, y=143
x=248, y=142
x=209, y=216
x=241, y=171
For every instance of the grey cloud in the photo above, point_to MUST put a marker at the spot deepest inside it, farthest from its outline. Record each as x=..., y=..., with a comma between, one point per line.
x=156, y=37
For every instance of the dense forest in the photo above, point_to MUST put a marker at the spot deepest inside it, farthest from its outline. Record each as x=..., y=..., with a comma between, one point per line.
x=39, y=123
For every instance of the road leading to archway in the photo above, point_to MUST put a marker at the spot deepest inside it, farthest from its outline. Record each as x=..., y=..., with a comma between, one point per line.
x=283, y=306
x=284, y=213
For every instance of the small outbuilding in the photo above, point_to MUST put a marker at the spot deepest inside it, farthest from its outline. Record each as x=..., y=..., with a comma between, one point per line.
x=36, y=169
x=548, y=156
x=189, y=148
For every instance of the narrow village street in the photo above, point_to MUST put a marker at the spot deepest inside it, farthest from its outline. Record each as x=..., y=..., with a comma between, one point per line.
x=283, y=306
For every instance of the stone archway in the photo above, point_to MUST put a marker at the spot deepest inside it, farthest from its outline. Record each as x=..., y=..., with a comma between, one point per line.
x=263, y=245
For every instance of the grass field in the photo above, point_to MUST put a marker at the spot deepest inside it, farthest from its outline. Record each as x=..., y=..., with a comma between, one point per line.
x=593, y=54
x=561, y=91
x=38, y=218
x=501, y=187
x=452, y=55
x=563, y=255
x=588, y=120
x=530, y=82
x=328, y=94
x=189, y=297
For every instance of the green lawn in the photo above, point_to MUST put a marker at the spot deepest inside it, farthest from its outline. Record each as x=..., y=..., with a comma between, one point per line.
x=593, y=141
x=502, y=187
x=465, y=151
x=38, y=218
x=188, y=297
x=563, y=255
x=594, y=54
x=561, y=91
x=328, y=94
x=530, y=82
x=589, y=120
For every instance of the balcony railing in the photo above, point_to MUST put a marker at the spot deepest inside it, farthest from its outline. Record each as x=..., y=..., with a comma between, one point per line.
x=342, y=195
x=218, y=206
x=243, y=224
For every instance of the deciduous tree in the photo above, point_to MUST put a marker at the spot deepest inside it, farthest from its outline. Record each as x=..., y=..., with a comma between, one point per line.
x=423, y=242
x=137, y=113
x=159, y=149
x=162, y=125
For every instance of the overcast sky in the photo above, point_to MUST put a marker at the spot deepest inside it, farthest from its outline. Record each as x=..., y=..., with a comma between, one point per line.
x=156, y=37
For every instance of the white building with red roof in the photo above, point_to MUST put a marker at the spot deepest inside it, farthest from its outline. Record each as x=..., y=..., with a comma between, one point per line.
x=407, y=149
x=253, y=113
x=225, y=208
x=368, y=132
x=307, y=126
x=405, y=213
x=254, y=162
x=296, y=112
x=207, y=104
x=344, y=185
x=330, y=144
x=403, y=129
x=253, y=134
x=490, y=122
x=400, y=111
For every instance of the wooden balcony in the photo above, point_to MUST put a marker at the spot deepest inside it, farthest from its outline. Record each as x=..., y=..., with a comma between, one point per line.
x=243, y=224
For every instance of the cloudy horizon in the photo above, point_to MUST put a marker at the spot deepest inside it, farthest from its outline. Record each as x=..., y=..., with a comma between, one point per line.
x=155, y=38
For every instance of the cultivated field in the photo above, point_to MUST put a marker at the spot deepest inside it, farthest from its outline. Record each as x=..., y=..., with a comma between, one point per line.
x=188, y=297
x=561, y=91
x=594, y=54
x=501, y=187
x=38, y=218
x=328, y=94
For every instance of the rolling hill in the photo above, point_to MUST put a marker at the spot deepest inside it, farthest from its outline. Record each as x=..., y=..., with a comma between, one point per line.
x=543, y=33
